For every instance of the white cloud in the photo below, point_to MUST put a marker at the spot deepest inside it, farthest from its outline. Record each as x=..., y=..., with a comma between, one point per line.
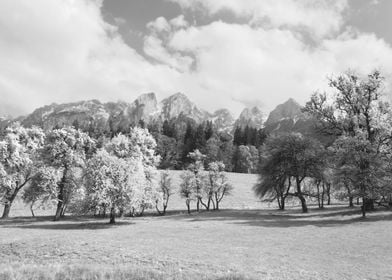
x=160, y=24
x=154, y=48
x=319, y=17
x=61, y=51
x=179, y=22
x=240, y=62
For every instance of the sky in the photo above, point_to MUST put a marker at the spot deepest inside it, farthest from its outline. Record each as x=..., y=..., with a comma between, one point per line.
x=221, y=53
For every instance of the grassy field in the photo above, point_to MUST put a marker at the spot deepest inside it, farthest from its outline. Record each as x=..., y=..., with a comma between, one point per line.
x=246, y=240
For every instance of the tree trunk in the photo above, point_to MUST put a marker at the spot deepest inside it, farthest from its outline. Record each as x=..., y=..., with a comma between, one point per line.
x=300, y=196
x=60, y=198
x=213, y=204
x=31, y=209
x=357, y=200
x=216, y=202
x=63, y=210
x=6, y=211
x=282, y=203
x=142, y=212
x=7, y=206
x=318, y=194
x=303, y=203
x=58, y=210
x=329, y=194
x=198, y=205
x=363, y=207
x=351, y=201
x=112, y=216
x=278, y=197
x=188, y=206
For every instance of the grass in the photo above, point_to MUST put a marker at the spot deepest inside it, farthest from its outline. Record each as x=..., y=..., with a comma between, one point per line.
x=79, y=272
x=246, y=241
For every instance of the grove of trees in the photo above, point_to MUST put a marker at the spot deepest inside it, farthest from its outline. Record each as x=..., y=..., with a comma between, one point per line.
x=71, y=171
x=356, y=116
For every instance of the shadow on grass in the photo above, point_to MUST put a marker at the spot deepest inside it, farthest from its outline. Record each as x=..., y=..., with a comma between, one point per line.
x=67, y=223
x=327, y=217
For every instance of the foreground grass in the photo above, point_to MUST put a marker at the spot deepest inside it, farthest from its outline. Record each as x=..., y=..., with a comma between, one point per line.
x=334, y=243
x=80, y=272
x=242, y=241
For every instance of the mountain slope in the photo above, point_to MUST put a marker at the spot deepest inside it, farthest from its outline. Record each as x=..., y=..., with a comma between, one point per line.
x=252, y=117
x=119, y=116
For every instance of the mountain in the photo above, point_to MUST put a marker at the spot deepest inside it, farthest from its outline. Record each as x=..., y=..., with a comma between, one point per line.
x=83, y=113
x=288, y=110
x=223, y=120
x=288, y=117
x=252, y=117
x=178, y=104
x=118, y=116
x=144, y=107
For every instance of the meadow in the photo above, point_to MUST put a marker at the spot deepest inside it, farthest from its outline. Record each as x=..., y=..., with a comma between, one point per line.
x=247, y=239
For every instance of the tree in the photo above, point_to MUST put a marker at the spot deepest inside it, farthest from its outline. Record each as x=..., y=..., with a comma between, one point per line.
x=167, y=150
x=290, y=157
x=212, y=149
x=42, y=187
x=226, y=151
x=358, y=114
x=108, y=181
x=219, y=186
x=197, y=167
x=187, y=188
x=18, y=161
x=209, y=130
x=344, y=180
x=66, y=150
x=242, y=159
x=166, y=190
x=138, y=147
x=200, y=137
x=274, y=180
x=189, y=142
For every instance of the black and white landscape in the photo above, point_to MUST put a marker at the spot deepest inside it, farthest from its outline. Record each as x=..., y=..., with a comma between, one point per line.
x=195, y=139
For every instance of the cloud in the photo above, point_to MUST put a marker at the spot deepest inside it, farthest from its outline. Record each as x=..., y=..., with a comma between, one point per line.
x=62, y=51
x=237, y=62
x=179, y=22
x=120, y=21
x=320, y=18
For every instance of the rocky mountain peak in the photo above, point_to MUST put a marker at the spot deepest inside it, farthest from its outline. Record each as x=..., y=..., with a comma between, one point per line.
x=222, y=119
x=179, y=104
x=146, y=98
x=252, y=117
x=287, y=110
x=144, y=107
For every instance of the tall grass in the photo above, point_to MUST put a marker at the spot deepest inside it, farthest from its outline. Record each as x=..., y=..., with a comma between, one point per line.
x=81, y=272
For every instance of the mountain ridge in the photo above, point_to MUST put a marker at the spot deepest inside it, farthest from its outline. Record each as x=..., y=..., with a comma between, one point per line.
x=119, y=115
